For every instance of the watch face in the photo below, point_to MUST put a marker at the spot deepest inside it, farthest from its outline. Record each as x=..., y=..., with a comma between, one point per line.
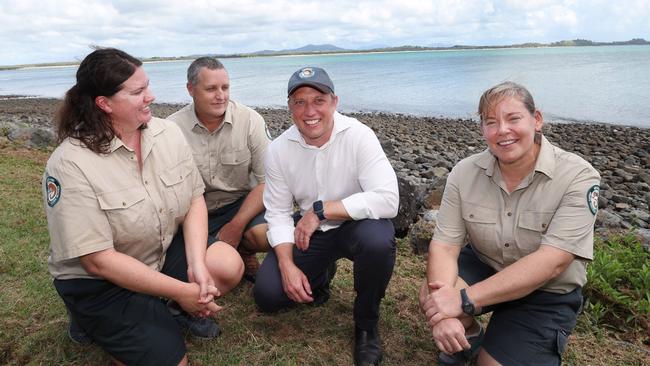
x=318, y=206
x=467, y=305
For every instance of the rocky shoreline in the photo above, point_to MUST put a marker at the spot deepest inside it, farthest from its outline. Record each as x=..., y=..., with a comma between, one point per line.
x=424, y=149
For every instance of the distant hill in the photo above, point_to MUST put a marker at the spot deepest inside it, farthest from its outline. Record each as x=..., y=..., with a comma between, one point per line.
x=310, y=48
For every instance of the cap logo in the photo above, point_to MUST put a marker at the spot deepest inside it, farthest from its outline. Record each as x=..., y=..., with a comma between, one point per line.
x=305, y=73
x=53, y=191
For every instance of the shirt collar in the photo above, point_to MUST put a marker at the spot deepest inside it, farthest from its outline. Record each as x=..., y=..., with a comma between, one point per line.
x=341, y=123
x=545, y=163
x=226, y=119
x=153, y=129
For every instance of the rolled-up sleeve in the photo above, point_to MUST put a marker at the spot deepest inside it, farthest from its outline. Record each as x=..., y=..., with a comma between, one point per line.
x=572, y=226
x=278, y=201
x=380, y=196
x=68, y=238
x=450, y=226
x=258, y=142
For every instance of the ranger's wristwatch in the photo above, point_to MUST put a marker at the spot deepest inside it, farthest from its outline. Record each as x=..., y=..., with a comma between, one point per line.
x=319, y=210
x=466, y=303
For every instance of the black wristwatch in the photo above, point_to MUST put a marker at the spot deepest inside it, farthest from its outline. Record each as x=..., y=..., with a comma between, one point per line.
x=319, y=210
x=466, y=303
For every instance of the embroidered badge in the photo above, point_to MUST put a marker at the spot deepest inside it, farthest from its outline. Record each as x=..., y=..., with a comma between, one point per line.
x=307, y=72
x=53, y=190
x=592, y=198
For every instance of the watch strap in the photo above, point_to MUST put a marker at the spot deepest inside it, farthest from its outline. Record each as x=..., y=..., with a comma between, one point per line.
x=319, y=209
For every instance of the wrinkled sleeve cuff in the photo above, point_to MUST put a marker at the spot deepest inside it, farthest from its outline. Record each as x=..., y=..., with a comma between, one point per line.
x=356, y=207
x=280, y=235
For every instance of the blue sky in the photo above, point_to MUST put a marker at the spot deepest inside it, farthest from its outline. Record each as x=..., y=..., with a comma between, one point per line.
x=37, y=31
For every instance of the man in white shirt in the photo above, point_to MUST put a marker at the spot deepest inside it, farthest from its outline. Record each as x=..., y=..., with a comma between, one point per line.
x=334, y=168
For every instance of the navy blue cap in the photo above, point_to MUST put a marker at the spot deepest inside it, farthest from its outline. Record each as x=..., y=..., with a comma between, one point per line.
x=314, y=77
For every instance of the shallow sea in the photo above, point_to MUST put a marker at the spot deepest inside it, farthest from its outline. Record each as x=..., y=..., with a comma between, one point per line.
x=590, y=84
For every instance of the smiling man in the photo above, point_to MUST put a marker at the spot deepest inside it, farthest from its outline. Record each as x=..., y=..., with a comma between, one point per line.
x=228, y=140
x=335, y=170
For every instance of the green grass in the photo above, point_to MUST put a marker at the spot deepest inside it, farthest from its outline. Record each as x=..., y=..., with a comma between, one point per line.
x=618, y=292
x=33, y=319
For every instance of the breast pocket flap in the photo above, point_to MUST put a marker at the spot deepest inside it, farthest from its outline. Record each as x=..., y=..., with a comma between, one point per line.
x=535, y=221
x=479, y=215
x=235, y=157
x=121, y=199
x=175, y=175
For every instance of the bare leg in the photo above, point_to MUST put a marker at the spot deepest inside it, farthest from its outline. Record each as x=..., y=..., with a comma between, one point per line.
x=255, y=240
x=484, y=359
x=225, y=266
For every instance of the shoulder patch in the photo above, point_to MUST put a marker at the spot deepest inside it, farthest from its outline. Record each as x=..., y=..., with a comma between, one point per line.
x=592, y=198
x=53, y=190
x=268, y=133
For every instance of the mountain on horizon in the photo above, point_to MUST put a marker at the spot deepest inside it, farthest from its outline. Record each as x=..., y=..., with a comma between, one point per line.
x=308, y=48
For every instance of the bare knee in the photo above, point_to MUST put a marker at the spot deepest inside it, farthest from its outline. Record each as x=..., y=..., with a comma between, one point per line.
x=225, y=266
x=255, y=239
x=484, y=359
x=183, y=361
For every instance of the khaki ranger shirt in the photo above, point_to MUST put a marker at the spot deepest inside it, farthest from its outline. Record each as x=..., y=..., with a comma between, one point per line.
x=555, y=205
x=95, y=201
x=227, y=156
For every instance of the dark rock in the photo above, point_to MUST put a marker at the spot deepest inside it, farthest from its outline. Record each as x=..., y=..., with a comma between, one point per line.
x=608, y=219
x=641, y=215
x=388, y=147
x=434, y=196
x=42, y=138
x=420, y=235
x=622, y=206
x=407, y=207
x=602, y=202
x=644, y=237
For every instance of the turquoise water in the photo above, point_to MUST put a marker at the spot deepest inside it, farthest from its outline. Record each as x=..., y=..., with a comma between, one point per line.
x=593, y=84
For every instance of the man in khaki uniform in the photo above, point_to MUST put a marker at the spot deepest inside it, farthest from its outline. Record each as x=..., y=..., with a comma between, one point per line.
x=228, y=140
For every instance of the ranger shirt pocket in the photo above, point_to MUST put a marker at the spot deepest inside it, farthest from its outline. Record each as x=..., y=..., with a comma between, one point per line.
x=235, y=168
x=531, y=225
x=124, y=210
x=481, y=224
x=178, y=188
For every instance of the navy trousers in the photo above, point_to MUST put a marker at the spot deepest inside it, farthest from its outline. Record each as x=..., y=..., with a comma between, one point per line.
x=369, y=243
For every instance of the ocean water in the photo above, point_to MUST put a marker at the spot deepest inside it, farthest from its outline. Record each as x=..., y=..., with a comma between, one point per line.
x=588, y=84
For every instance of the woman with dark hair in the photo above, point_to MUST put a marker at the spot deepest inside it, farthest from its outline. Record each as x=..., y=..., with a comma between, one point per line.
x=528, y=210
x=127, y=220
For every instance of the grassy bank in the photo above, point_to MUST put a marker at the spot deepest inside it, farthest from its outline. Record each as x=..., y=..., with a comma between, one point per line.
x=33, y=320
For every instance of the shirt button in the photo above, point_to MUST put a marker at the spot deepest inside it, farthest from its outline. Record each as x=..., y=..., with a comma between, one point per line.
x=543, y=226
x=160, y=210
x=146, y=182
x=506, y=245
x=123, y=203
x=509, y=213
x=471, y=216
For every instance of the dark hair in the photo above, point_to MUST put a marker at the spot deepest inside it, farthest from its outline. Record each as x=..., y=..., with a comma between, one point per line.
x=495, y=94
x=101, y=73
x=210, y=63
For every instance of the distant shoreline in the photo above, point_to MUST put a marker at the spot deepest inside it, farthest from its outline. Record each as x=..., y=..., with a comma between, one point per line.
x=48, y=102
x=401, y=49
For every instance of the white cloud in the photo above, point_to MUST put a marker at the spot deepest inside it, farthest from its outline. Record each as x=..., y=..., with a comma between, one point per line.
x=45, y=31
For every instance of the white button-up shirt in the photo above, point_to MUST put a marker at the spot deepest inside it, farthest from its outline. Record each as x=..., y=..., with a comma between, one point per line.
x=351, y=167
